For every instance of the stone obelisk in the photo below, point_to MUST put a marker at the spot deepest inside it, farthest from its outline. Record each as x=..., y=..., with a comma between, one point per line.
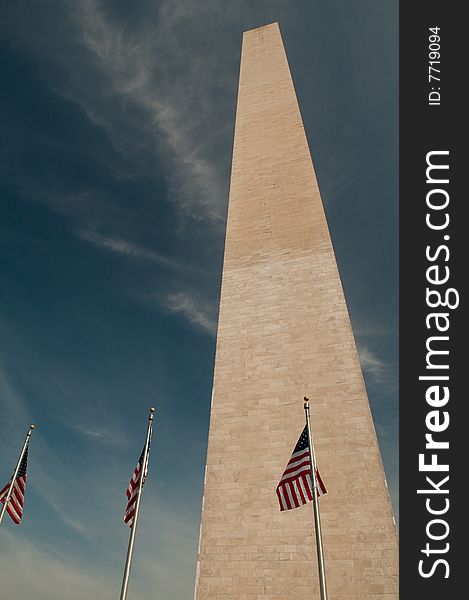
x=284, y=332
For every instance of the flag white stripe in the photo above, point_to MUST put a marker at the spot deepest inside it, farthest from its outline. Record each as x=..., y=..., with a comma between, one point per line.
x=303, y=489
x=304, y=468
x=293, y=493
x=19, y=493
x=297, y=491
x=12, y=510
x=283, y=502
x=320, y=490
x=287, y=488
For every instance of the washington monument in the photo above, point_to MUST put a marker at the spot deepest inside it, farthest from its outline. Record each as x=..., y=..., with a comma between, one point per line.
x=284, y=332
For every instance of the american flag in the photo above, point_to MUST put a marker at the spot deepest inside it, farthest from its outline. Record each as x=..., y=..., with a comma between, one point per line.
x=16, y=502
x=132, y=491
x=295, y=487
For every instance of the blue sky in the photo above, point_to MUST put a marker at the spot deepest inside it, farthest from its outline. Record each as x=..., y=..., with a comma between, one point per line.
x=117, y=123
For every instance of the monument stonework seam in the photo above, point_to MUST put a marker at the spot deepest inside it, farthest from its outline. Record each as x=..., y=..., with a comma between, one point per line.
x=283, y=332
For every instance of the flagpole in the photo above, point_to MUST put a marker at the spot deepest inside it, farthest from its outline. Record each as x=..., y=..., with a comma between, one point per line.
x=133, y=529
x=15, y=472
x=317, y=519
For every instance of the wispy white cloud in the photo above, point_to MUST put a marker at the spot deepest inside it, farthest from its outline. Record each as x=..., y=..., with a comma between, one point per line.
x=139, y=76
x=152, y=83
x=371, y=329
x=197, y=311
x=100, y=434
x=125, y=248
x=371, y=363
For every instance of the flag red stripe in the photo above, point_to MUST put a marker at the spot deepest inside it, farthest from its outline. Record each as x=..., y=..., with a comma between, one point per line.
x=17, y=494
x=13, y=515
x=322, y=487
x=300, y=489
x=21, y=484
x=16, y=506
x=286, y=497
x=296, y=467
